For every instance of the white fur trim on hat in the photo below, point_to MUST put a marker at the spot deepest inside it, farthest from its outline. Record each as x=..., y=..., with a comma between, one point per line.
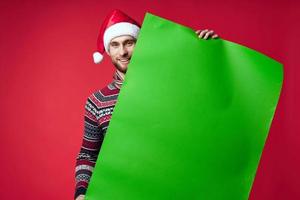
x=118, y=29
x=98, y=57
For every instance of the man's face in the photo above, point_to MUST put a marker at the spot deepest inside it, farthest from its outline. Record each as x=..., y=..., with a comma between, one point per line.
x=120, y=51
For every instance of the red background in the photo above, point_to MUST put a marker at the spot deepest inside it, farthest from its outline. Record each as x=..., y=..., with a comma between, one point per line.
x=46, y=74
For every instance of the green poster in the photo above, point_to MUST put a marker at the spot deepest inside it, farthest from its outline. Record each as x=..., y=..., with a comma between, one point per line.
x=191, y=120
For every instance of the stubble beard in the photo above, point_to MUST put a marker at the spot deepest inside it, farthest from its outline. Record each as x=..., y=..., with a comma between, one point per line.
x=119, y=67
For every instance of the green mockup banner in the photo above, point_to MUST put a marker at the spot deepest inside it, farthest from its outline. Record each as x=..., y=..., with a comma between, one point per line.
x=191, y=120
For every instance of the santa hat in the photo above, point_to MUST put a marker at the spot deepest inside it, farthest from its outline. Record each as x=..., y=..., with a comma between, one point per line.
x=115, y=24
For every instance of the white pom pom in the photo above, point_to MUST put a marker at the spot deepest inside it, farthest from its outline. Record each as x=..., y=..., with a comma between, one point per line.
x=98, y=57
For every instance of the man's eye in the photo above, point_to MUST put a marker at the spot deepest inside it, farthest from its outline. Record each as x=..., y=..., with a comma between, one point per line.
x=129, y=43
x=114, y=45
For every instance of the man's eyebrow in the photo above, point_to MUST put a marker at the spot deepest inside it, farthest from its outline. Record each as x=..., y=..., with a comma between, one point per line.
x=129, y=40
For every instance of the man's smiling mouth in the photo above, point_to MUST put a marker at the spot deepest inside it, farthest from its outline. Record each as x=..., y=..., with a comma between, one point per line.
x=124, y=60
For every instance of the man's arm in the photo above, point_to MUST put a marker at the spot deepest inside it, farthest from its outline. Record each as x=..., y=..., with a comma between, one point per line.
x=88, y=154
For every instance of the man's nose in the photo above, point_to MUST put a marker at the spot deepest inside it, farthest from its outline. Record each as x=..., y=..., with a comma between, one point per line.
x=123, y=50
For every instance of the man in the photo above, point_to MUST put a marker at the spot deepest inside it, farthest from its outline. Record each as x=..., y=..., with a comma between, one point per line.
x=117, y=37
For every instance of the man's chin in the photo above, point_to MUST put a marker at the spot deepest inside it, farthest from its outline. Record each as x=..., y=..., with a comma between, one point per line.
x=122, y=68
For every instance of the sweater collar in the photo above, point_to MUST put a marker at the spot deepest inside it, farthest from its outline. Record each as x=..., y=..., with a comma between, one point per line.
x=118, y=79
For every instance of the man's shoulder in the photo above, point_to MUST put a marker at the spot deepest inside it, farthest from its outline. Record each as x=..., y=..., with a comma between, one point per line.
x=105, y=96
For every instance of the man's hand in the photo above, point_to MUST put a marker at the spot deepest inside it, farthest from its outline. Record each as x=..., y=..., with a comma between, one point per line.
x=205, y=34
x=80, y=197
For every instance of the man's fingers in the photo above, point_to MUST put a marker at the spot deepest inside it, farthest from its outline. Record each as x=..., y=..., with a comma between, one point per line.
x=215, y=36
x=80, y=197
x=208, y=34
x=203, y=33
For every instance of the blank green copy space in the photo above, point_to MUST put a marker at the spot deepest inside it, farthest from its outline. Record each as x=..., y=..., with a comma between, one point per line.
x=191, y=119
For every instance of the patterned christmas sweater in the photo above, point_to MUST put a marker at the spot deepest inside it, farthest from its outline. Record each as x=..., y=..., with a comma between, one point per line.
x=98, y=111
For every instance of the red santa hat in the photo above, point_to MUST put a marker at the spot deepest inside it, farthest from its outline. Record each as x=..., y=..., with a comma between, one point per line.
x=115, y=24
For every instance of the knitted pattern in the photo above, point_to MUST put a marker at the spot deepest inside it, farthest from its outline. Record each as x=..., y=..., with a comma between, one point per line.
x=99, y=107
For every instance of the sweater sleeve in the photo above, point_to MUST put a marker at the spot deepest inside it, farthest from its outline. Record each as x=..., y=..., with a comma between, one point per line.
x=92, y=140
